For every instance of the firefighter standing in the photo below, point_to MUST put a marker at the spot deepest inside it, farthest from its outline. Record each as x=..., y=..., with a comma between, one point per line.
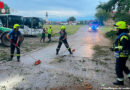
x=49, y=33
x=121, y=48
x=43, y=35
x=63, y=39
x=14, y=38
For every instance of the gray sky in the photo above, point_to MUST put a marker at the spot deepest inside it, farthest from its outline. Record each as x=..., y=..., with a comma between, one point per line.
x=55, y=8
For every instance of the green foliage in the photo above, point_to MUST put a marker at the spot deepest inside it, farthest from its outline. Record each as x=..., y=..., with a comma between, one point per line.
x=111, y=35
x=122, y=17
x=102, y=15
x=109, y=6
x=71, y=19
x=122, y=5
x=122, y=9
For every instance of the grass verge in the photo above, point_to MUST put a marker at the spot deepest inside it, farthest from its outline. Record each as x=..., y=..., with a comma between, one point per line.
x=70, y=29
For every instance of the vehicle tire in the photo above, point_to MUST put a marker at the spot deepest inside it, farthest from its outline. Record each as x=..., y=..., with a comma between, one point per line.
x=6, y=42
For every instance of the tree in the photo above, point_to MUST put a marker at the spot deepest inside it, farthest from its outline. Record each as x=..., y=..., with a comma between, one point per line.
x=71, y=19
x=122, y=17
x=7, y=9
x=121, y=5
x=102, y=16
x=109, y=6
x=122, y=8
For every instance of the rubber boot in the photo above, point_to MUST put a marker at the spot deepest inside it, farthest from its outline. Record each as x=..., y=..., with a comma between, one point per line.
x=18, y=59
x=118, y=82
x=70, y=51
x=11, y=58
x=57, y=51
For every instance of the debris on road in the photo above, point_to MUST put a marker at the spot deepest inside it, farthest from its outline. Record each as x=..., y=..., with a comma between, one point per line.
x=88, y=85
x=37, y=62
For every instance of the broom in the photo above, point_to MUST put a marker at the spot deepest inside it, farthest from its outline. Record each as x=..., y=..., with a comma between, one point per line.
x=37, y=62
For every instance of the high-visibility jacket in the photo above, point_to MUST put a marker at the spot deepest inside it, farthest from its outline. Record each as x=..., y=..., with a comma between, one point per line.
x=122, y=46
x=49, y=31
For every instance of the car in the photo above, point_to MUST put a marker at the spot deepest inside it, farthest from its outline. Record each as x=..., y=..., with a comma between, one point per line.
x=93, y=26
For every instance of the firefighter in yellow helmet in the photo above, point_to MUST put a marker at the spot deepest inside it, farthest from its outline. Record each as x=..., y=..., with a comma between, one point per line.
x=14, y=38
x=121, y=48
x=63, y=39
x=49, y=33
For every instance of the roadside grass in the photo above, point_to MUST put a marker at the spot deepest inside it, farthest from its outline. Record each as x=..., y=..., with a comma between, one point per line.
x=109, y=32
x=99, y=51
x=3, y=55
x=105, y=29
x=70, y=29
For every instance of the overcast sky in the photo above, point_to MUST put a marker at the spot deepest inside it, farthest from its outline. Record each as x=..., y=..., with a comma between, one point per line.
x=55, y=8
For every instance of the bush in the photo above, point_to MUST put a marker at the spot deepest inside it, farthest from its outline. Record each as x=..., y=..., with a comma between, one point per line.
x=122, y=17
x=111, y=35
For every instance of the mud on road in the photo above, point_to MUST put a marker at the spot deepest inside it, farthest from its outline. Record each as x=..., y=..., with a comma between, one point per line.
x=30, y=44
x=91, y=67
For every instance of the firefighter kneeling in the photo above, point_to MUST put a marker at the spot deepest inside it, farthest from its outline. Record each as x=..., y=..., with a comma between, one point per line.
x=121, y=48
x=14, y=38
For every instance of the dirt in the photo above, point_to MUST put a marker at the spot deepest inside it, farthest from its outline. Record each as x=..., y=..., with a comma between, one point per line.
x=30, y=44
x=91, y=67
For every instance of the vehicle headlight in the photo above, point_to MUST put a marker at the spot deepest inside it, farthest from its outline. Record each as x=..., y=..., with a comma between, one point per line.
x=89, y=28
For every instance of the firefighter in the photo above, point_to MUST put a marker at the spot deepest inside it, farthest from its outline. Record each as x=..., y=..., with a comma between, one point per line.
x=49, y=33
x=121, y=48
x=43, y=35
x=14, y=38
x=63, y=39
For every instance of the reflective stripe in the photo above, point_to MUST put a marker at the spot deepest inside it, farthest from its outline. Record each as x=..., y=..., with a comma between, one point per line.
x=120, y=79
x=123, y=37
x=57, y=48
x=68, y=48
x=17, y=54
x=120, y=48
x=128, y=75
x=122, y=55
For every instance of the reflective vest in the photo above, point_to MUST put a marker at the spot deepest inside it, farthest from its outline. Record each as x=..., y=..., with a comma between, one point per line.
x=49, y=31
x=119, y=48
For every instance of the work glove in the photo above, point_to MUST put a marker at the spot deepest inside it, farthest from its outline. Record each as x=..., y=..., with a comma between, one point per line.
x=16, y=44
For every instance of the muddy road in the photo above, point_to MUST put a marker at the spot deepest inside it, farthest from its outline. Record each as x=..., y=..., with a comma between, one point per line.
x=91, y=63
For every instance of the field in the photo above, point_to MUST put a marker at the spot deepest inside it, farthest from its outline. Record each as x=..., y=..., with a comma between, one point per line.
x=70, y=29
